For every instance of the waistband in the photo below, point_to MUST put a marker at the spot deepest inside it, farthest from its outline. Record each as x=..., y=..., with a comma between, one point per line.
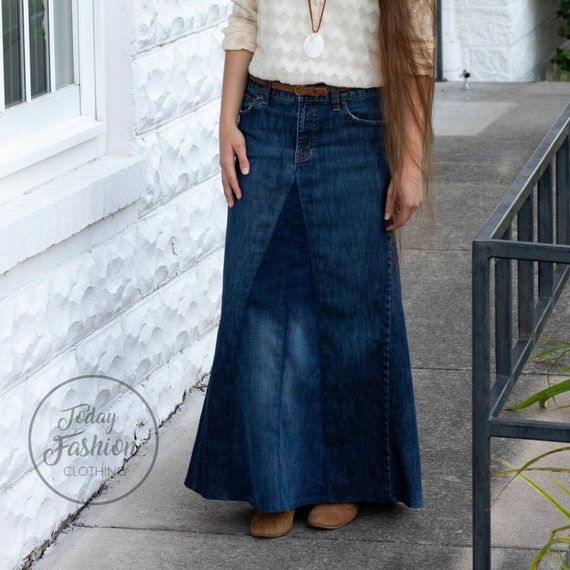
x=301, y=90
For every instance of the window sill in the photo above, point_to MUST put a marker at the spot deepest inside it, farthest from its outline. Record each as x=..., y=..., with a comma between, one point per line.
x=50, y=213
x=30, y=161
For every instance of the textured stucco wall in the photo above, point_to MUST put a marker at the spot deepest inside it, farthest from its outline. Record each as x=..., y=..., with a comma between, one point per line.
x=499, y=40
x=135, y=296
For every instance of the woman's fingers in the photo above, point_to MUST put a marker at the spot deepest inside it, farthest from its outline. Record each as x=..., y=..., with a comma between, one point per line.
x=228, y=191
x=400, y=209
x=232, y=145
x=241, y=155
x=389, y=208
x=401, y=216
x=229, y=180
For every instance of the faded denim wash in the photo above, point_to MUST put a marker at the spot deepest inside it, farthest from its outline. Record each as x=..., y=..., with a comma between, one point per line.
x=310, y=398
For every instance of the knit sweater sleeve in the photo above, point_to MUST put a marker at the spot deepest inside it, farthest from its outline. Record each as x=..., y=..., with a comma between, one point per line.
x=241, y=32
x=423, y=13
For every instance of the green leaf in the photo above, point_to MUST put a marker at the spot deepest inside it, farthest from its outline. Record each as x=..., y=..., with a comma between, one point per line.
x=526, y=466
x=543, y=396
x=562, y=487
x=542, y=469
x=542, y=491
x=540, y=356
x=546, y=549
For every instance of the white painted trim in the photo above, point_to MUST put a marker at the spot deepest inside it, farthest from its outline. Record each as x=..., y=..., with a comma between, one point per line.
x=75, y=24
x=41, y=113
x=44, y=144
x=27, y=47
x=2, y=101
x=87, y=57
x=53, y=212
x=99, y=75
x=51, y=46
x=38, y=173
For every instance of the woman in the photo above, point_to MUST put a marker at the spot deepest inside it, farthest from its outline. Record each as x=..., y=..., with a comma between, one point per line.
x=325, y=140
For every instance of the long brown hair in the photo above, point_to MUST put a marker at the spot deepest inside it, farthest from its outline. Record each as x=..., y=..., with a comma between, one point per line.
x=408, y=46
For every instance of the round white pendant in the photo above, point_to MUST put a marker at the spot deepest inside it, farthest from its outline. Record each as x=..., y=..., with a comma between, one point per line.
x=314, y=45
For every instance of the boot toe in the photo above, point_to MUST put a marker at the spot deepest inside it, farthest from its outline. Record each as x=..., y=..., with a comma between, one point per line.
x=271, y=525
x=331, y=516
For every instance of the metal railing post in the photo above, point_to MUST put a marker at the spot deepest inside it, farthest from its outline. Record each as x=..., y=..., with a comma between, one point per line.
x=481, y=377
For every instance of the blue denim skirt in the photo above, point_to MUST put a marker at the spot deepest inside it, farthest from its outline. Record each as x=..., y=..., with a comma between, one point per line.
x=310, y=398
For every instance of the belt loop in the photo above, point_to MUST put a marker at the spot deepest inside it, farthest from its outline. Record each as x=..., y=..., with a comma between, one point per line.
x=266, y=90
x=335, y=99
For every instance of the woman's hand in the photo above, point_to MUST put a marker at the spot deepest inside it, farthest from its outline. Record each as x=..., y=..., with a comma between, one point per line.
x=401, y=208
x=232, y=141
x=232, y=145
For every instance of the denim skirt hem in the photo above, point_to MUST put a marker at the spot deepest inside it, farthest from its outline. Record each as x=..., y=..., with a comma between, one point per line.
x=313, y=500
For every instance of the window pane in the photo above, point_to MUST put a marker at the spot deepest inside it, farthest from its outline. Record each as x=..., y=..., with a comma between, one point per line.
x=39, y=51
x=13, y=60
x=63, y=24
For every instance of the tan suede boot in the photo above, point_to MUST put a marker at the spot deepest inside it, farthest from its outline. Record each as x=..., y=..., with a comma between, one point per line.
x=272, y=525
x=331, y=516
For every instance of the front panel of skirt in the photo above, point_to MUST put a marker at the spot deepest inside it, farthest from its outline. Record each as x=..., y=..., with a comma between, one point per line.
x=333, y=155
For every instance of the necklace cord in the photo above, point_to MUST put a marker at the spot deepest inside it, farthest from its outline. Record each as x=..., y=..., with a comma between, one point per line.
x=320, y=19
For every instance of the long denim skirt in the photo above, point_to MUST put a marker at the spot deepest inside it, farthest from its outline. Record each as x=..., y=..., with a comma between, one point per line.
x=310, y=398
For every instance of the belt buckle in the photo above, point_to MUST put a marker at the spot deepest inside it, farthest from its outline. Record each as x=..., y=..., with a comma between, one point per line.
x=297, y=87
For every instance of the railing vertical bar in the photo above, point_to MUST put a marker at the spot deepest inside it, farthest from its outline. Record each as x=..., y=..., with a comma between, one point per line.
x=503, y=313
x=525, y=272
x=563, y=193
x=545, y=231
x=481, y=374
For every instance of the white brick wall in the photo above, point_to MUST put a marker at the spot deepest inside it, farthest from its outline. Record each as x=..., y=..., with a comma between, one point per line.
x=136, y=295
x=499, y=40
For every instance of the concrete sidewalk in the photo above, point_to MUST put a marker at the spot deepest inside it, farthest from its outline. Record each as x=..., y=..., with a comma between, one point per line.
x=483, y=138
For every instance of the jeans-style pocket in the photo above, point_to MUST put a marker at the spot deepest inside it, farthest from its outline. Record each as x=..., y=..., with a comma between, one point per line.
x=249, y=101
x=364, y=110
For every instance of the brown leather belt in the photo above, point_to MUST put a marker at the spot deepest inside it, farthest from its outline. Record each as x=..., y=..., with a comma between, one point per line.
x=301, y=90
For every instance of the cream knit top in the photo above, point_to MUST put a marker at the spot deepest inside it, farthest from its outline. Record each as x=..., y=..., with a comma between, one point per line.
x=275, y=31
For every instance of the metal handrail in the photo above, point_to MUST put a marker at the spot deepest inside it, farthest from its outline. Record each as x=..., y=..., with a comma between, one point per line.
x=509, y=206
x=546, y=178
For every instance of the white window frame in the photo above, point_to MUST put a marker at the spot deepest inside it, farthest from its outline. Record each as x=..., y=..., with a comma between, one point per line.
x=46, y=136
